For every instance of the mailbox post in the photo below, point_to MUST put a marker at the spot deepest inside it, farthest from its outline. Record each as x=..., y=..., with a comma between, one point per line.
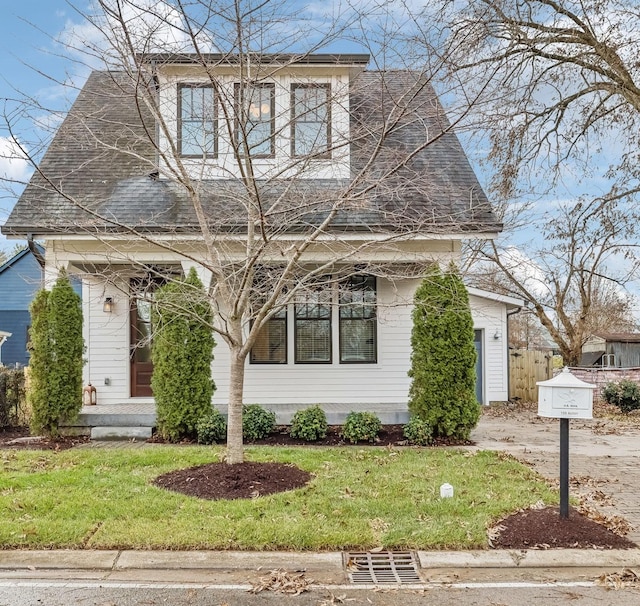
x=565, y=397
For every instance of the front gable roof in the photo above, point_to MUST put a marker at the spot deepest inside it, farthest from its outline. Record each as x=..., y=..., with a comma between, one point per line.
x=100, y=172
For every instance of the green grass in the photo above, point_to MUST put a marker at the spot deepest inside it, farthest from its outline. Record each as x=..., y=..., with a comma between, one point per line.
x=358, y=498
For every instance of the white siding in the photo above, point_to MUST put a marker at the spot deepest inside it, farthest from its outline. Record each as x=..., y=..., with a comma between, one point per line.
x=107, y=342
x=385, y=382
x=491, y=318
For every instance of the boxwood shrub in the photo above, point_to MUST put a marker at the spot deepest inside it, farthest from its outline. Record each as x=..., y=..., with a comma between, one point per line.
x=309, y=424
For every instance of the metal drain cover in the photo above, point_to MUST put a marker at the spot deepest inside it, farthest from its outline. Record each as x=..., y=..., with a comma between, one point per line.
x=385, y=567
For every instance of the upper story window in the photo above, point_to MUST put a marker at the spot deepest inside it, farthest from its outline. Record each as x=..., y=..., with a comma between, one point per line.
x=197, y=121
x=255, y=119
x=310, y=120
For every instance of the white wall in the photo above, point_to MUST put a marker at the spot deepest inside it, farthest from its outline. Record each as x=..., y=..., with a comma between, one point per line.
x=386, y=382
x=491, y=318
x=107, y=342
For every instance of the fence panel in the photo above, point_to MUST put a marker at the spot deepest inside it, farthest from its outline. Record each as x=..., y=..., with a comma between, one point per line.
x=526, y=367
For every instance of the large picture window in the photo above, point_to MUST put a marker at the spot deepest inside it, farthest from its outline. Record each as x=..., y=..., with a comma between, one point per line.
x=256, y=119
x=313, y=326
x=357, y=312
x=271, y=344
x=310, y=120
x=197, y=124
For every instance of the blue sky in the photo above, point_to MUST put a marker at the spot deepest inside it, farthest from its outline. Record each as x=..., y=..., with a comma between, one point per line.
x=27, y=29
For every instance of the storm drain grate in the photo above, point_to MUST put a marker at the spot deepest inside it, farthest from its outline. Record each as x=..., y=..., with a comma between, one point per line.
x=382, y=567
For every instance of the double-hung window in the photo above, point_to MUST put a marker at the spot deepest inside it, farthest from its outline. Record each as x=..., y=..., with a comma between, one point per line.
x=358, y=320
x=310, y=120
x=313, y=326
x=197, y=121
x=271, y=345
x=255, y=122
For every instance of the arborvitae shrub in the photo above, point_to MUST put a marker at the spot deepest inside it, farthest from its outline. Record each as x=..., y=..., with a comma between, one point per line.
x=443, y=357
x=182, y=352
x=309, y=424
x=212, y=428
x=257, y=422
x=43, y=419
x=67, y=349
x=361, y=427
x=55, y=367
x=418, y=432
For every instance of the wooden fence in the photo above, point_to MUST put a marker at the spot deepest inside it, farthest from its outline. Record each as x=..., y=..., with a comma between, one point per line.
x=526, y=367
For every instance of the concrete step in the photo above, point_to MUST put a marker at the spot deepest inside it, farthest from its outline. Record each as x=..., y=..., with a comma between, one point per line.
x=116, y=419
x=120, y=432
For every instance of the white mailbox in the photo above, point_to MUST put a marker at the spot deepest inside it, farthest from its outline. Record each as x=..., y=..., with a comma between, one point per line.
x=565, y=397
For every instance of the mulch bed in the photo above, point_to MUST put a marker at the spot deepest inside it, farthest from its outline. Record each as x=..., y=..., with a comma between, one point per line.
x=545, y=529
x=390, y=435
x=240, y=481
x=20, y=439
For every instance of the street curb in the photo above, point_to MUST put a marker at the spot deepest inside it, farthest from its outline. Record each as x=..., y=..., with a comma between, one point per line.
x=113, y=560
x=532, y=558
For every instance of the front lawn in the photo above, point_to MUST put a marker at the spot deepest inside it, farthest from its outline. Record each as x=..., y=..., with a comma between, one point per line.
x=358, y=499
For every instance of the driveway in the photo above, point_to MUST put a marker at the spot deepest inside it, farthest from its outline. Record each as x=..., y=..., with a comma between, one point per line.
x=604, y=457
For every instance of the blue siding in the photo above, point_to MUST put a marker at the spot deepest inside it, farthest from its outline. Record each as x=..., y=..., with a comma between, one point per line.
x=20, y=279
x=14, y=349
x=19, y=282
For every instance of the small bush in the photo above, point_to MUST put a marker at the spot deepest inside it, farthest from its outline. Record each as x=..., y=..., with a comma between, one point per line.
x=257, y=422
x=625, y=395
x=361, y=426
x=418, y=431
x=13, y=405
x=212, y=428
x=309, y=424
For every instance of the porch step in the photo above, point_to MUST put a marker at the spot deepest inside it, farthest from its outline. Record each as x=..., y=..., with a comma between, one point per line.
x=89, y=418
x=120, y=432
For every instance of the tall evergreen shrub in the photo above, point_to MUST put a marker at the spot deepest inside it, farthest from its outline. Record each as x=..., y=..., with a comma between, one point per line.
x=443, y=358
x=182, y=352
x=55, y=368
x=42, y=420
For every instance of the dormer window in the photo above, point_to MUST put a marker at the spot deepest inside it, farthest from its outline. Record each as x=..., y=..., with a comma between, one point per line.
x=310, y=120
x=255, y=119
x=197, y=121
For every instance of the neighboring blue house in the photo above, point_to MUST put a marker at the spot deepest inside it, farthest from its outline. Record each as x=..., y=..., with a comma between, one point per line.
x=20, y=279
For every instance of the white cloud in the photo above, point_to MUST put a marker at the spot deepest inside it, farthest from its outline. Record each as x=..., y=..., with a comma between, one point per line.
x=14, y=166
x=150, y=25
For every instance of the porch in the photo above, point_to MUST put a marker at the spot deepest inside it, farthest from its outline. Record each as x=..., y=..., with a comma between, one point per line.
x=136, y=421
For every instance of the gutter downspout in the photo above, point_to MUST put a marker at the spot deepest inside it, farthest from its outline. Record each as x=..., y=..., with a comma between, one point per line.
x=34, y=250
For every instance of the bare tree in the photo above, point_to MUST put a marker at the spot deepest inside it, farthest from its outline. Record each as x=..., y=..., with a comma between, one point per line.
x=557, y=89
x=574, y=278
x=264, y=234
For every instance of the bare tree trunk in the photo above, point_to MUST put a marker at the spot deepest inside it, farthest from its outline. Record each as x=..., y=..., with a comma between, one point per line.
x=235, y=451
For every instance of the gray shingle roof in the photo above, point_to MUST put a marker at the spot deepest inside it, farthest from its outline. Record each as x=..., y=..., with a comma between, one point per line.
x=98, y=173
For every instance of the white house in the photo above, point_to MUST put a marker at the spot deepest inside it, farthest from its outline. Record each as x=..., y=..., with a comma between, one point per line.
x=148, y=176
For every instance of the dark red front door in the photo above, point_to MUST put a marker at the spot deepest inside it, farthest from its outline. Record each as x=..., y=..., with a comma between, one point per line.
x=140, y=353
